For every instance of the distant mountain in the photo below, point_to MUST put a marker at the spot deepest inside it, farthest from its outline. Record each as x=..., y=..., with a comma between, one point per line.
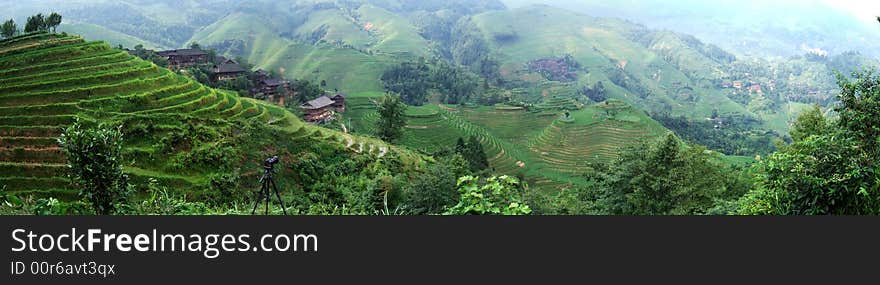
x=759, y=28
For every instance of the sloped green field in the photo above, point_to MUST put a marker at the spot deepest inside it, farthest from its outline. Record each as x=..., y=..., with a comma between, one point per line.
x=48, y=81
x=550, y=152
x=604, y=47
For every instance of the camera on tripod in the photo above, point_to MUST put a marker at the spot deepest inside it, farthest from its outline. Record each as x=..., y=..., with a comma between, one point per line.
x=270, y=162
x=267, y=186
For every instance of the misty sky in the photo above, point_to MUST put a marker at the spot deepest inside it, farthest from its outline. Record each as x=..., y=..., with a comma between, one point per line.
x=865, y=10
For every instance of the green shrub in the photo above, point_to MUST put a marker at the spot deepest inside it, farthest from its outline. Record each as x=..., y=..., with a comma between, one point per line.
x=94, y=158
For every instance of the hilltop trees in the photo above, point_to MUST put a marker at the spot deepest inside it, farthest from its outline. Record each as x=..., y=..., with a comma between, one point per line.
x=35, y=23
x=39, y=22
x=391, y=118
x=94, y=157
x=8, y=29
x=53, y=21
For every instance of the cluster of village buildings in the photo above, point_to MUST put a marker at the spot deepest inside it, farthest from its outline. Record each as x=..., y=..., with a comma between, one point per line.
x=319, y=110
x=753, y=87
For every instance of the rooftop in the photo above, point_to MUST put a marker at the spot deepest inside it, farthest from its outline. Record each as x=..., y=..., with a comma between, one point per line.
x=318, y=103
x=183, y=52
x=229, y=68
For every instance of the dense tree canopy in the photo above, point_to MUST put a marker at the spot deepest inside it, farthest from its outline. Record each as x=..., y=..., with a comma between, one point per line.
x=665, y=178
x=830, y=168
x=35, y=23
x=409, y=80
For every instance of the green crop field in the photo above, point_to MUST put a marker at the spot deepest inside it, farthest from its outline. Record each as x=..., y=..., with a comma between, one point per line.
x=47, y=81
x=551, y=153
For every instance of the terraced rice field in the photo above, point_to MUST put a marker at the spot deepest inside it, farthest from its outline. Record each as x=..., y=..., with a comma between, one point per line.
x=551, y=153
x=47, y=81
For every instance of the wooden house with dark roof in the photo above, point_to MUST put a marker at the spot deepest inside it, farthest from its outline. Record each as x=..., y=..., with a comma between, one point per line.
x=323, y=108
x=227, y=70
x=184, y=57
x=318, y=110
x=339, y=102
x=272, y=87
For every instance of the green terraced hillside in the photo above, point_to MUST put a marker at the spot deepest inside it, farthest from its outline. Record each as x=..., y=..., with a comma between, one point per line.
x=48, y=80
x=550, y=151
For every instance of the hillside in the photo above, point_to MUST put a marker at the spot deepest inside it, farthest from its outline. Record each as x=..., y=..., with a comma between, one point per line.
x=177, y=131
x=608, y=52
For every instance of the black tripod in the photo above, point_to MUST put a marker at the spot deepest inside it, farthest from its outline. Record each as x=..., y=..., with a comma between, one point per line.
x=269, y=167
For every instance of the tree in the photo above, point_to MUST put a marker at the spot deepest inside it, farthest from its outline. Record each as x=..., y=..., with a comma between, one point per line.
x=811, y=122
x=664, y=178
x=499, y=195
x=306, y=90
x=195, y=45
x=94, y=157
x=391, y=118
x=35, y=23
x=476, y=155
x=8, y=29
x=433, y=191
x=53, y=21
x=860, y=109
x=826, y=171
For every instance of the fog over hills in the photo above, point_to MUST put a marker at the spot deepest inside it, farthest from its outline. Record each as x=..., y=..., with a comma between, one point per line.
x=777, y=27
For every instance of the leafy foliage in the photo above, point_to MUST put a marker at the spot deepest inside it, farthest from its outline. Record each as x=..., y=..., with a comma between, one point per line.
x=827, y=170
x=811, y=123
x=499, y=195
x=435, y=190
x=94, y=158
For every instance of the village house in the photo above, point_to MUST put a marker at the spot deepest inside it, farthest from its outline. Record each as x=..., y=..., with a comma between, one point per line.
x=267, y=87
x=755, y=89
x=322, y=109
x=339, y=102
x=271, y=87
x=738, y=84
x=226, y=70
x=184, y=57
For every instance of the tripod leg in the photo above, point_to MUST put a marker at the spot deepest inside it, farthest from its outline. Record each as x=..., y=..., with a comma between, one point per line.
x=259, y=198
x=275, y=187
x=268, y=197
